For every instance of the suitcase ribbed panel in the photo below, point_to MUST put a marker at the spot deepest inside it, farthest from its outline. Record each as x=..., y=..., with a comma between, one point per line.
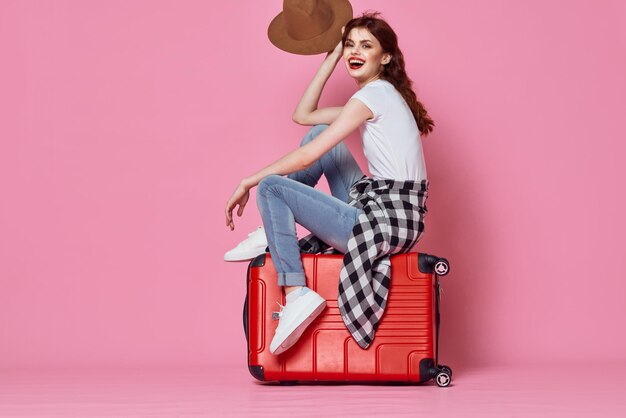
x=326, y=351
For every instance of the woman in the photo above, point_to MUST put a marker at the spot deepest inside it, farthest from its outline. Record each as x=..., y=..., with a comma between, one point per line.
x=391, y=204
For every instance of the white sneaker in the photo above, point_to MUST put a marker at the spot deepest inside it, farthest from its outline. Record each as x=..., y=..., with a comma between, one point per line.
x=295, y=317
x=249, y=248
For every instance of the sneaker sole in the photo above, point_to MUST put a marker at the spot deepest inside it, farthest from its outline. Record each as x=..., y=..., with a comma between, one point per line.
x=295, y=335
x=245, y=255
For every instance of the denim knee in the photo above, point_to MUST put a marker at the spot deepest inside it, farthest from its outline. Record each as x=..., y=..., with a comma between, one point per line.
x=266, y=184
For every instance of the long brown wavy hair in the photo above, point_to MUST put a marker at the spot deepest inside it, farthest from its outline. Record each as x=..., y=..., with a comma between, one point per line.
x=394, y=71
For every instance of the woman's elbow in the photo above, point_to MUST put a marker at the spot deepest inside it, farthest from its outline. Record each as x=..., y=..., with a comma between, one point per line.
x=297, y=118
x=302, y=118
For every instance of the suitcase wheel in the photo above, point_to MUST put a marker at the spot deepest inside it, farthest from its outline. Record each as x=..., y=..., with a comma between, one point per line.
x=446, y=369
x=442, y=267
x=443, y=379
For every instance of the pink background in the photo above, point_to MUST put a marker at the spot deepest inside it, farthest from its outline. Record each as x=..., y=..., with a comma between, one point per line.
x=125, y=125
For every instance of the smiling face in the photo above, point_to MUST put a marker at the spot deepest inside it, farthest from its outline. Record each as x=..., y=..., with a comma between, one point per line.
x=363, y=55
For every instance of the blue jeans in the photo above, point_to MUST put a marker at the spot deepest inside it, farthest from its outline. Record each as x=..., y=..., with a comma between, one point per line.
x=283, y=201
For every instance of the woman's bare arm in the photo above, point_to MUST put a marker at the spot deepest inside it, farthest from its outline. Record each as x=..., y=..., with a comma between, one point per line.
x=352, y=115
x=306, y=112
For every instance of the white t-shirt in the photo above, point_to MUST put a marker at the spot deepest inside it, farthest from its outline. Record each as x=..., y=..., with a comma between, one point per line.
x=391, y=140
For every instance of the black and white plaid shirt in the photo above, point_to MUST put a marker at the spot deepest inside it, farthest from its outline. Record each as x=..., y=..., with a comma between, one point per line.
x=392, y=222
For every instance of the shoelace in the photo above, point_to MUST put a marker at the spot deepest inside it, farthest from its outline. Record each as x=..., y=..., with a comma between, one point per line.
x=277, y=315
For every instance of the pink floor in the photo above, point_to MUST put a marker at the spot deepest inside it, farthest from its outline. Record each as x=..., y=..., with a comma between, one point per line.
x=568, y=391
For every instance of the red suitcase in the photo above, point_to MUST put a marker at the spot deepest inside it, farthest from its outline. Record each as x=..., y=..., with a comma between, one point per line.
x=404, y=349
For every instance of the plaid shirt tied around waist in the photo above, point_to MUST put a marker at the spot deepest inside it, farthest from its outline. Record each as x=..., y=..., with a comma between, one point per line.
x=392, y=222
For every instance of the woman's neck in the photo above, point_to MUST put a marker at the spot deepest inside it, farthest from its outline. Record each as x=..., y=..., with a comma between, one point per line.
x=364, y=83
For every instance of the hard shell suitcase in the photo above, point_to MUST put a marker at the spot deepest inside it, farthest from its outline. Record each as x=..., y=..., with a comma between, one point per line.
x=405, y=346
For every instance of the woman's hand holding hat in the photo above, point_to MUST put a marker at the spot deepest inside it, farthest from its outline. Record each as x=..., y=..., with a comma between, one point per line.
x=339, y=47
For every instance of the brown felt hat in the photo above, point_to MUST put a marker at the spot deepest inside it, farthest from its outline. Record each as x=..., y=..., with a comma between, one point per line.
x=309, y=27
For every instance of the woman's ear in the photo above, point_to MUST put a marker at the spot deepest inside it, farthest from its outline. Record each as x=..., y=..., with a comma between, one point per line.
x=386, y=59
